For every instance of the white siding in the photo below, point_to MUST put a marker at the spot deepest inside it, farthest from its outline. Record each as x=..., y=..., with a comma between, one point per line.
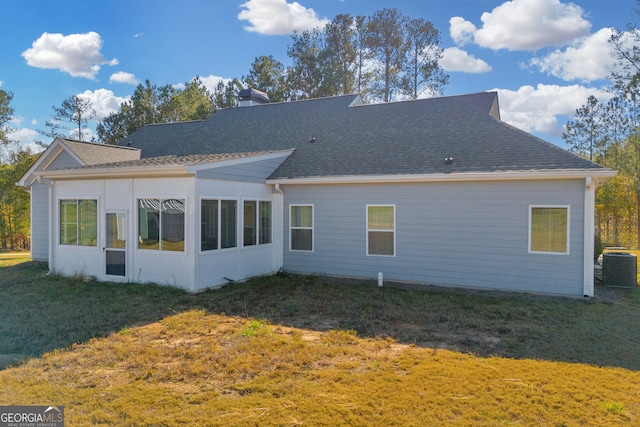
x=143, y=266
x=164, y=267
x=456, y=234
x=40, y=209
x=216, y=266
x=63, y=160
x=191, y=270
x=80, y=261
x=39, y=222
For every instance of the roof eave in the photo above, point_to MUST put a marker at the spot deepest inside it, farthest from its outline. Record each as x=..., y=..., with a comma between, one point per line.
x=600, y=175
x=154, y=171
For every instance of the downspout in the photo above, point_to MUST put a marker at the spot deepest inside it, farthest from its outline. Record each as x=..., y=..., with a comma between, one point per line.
x=589, y=236
x=51, y=225
x=280, y=246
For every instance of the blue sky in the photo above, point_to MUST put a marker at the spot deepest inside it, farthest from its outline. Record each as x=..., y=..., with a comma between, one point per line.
x=544, y=57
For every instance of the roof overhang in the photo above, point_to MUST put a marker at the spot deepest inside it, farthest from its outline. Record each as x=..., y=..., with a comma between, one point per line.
x=175, y=170
x=43, y=161
x=598, y=175
x=112, y=173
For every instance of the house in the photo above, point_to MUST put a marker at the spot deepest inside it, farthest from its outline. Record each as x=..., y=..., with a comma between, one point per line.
x=435, y=191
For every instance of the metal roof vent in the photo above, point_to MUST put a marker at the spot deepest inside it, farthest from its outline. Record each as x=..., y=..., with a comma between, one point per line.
x=448, y=160
x=250, y=97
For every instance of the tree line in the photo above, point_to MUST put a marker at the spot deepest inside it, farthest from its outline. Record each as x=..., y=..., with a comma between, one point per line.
x=383, y=57
x=14, y=201
x=608, y=133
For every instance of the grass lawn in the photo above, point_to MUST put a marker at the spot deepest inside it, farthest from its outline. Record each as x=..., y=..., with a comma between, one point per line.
x=291, y=350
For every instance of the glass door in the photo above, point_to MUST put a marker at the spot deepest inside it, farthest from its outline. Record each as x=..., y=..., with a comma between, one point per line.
x=116, y=244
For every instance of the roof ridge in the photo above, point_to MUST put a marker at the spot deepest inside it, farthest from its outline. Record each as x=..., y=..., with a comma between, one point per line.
x=95, y=144
x=433, y=98
x=179, y=122
x=293, y=101
x=173, y=159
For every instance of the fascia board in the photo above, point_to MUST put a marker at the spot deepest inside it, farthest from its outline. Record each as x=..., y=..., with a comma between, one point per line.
x=602, y=175
x=45, y=159
x=100, y=173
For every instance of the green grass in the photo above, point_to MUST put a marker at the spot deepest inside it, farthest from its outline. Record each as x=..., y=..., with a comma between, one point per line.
x=288, y=350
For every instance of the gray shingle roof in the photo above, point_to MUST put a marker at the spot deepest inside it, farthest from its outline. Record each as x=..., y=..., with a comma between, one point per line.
x=412, y=137
x=172, y=160
x=92, y=153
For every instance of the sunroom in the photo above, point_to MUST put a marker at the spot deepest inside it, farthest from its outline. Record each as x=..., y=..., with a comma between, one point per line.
x=184, y=223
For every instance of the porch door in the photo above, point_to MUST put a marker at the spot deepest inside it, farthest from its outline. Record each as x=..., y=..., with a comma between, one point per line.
x=115, y=249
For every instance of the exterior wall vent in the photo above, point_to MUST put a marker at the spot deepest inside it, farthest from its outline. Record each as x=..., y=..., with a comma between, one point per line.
x=250, y=97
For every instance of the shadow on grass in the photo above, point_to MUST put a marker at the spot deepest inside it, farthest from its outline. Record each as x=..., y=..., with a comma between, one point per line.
x=39, y=313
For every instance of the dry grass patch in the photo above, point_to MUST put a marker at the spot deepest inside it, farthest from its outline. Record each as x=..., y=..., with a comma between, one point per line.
x=196, y=368
x=289, y=350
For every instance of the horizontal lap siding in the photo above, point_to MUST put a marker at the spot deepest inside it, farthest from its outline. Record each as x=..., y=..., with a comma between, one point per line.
x=63, y=160
x=40, y=222
x=458, y=234
x=40, y=209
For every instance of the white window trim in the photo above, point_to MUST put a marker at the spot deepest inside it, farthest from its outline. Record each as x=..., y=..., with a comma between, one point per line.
x=394, y=231
x=312, y=228
x=98, y=222
x=137, y=226
x=568, y=248
x=239, y=222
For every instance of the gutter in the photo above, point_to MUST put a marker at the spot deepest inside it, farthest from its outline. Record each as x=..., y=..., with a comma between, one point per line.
x=598, y=175
x=280, y=221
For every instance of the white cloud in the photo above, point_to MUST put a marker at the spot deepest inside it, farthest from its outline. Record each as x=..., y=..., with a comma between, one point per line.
x=122, y=77
x=104, y=102
x=461, y=30
x=536, y=109
x=16, y=121
x=76, y=54
x=455, y=59
x=210, y=82
x=277, y=17
x=524, y=25
x=26, y=139
x=591, y=58
x=1, y=83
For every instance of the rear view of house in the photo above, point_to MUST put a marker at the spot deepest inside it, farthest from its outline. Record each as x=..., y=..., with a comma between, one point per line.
x=436, y=191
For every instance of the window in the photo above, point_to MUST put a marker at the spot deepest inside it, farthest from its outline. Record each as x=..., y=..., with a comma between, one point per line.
x=79, y=222
x=257, y=222
x=250, y=223
x=549, y=229
x=381, y=226
x=218, y=224
x=209, y=225
x=161, y=224
x=265, y=223
x=228, y=224
x=301, y=228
